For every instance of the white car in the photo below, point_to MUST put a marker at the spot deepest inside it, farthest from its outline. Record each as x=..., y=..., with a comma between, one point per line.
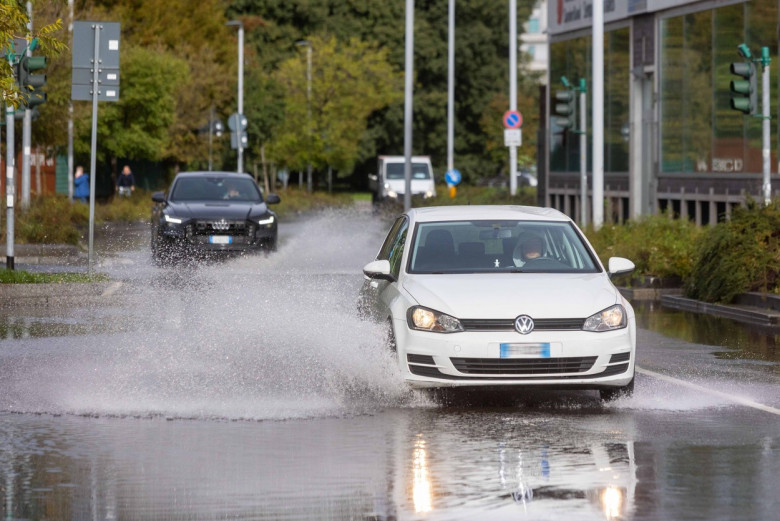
x=469, y=303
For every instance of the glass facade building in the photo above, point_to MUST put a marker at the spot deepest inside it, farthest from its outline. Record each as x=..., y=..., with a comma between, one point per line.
x=671, y=139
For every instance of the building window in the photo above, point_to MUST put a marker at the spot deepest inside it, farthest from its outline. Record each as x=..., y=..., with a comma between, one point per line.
x=699, y=131
x=533, y=26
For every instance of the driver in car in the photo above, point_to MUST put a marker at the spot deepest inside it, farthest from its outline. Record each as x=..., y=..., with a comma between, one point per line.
x=231, y=191
x=528, y=249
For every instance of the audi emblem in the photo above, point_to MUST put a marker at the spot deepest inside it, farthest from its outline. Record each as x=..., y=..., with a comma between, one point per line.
x=220, y=225
x=524, y=324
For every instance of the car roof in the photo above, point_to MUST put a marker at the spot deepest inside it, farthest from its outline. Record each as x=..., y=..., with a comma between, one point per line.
x=213, y=174
x=483, y=212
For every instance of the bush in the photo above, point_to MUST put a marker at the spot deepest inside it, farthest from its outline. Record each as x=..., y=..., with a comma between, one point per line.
x=50, y=219
x=658, y=245
x=295, y=200
x=738, y=256
x=467, y=194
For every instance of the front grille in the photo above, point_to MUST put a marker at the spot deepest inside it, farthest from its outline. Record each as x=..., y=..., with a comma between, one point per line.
x=220, y=227
x=425, y=370
x=615, y=369
x=523, y=366
x=508, y=324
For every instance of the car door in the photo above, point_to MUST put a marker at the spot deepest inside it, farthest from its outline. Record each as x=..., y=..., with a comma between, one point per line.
x=374, y=296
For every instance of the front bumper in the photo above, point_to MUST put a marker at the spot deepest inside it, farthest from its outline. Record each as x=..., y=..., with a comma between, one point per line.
x=548, y=359
x=239, y=236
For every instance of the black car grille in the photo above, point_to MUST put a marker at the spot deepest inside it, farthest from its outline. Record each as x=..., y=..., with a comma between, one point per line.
x=508, y=324
x=523, y=366
x=220, y=227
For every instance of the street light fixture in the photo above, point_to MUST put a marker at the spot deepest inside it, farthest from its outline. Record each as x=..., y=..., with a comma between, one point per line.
x=240, y=148
x=307, y=44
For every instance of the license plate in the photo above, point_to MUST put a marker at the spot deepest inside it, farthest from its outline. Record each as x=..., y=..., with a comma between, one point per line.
x=541, y=349
x=220, y=239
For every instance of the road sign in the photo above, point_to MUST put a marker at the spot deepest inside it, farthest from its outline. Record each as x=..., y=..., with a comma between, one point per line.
x=513, y=137
x=83, y=70
x=453, y=177
x=513, y=119
x=237, y=121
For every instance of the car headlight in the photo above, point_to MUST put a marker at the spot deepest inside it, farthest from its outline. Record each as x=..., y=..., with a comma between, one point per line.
x=171, y=219
x=611, y=318
x=267, y=220
x=424, y=319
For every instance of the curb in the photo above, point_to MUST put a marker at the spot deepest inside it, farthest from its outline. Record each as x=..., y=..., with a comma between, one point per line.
x=741, y=313
x=64, y=294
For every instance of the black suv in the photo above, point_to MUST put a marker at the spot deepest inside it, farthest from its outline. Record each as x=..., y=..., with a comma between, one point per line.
x=209, y=213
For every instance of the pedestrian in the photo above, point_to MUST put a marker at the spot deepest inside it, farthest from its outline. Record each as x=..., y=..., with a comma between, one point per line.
x=81, y=184
x=125, y=185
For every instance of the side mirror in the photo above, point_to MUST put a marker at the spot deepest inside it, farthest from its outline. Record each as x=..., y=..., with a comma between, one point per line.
x=379, y=269
x=158, y=197
x=618, y=265
x=272, y=199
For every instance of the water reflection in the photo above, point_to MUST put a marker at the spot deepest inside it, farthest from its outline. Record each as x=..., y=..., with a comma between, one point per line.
x=421, y=482
x=741, y=341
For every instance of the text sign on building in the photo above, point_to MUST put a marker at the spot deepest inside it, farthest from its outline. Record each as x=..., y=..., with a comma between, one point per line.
x=83, y=76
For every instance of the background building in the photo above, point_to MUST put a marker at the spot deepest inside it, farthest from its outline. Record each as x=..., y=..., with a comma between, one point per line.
x=671, y=140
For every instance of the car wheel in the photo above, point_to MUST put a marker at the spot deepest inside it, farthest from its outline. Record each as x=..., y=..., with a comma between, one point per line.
x=608, y=395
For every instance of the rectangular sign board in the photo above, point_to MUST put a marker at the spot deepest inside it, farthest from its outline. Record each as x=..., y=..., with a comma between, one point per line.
x=84, y=93
x=84, y=58
x=513, y=137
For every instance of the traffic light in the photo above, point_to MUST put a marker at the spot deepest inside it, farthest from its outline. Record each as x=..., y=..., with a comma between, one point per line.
x=31, y=85
x=566, y=109
x=744, y=92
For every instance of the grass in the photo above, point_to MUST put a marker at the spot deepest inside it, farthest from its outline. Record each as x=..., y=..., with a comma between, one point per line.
x=25, y=277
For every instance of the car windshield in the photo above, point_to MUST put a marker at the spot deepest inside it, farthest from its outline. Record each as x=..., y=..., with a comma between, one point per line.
x=215, y=189
x=499, y=246
x=419, y=171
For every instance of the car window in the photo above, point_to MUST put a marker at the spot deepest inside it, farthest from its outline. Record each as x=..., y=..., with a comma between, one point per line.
x=499, y=246
x=390, y=240
x=215, y=188
x=419, y=171
x=397, y=251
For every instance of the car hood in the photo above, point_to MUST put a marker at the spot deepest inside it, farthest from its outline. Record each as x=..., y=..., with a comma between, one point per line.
x=218, y=210
x=507, y=295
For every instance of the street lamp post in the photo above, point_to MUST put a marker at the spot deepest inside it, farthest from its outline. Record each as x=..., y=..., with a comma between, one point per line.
x=240, y=147
x=307, y=44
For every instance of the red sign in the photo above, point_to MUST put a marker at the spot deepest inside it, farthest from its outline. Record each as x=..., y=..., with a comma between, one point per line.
x=513, y=119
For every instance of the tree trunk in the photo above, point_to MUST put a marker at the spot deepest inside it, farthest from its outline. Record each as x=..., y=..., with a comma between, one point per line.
x=265, y=169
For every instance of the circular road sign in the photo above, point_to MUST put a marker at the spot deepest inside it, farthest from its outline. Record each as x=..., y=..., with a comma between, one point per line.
x=513, y=119
x=453, y=177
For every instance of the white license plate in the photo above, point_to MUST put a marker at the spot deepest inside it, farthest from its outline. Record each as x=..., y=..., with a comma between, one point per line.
x=220, y=239
x=541, y=349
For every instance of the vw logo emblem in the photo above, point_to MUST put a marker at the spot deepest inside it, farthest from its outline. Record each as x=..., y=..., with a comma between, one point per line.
x=221, y=225
x=524, y=324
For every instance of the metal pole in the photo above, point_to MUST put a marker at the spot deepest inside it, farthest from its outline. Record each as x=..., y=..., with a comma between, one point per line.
x=10, y=187
x=93, y=158
x=26, y=123
x=451, y=88
x=240, y=167
x=70, y=110
x=765, y=124
x=309, y=183
x=598, y=113
x=583, y=155
x=513, y=90
x=211, y=130
x=408, y=93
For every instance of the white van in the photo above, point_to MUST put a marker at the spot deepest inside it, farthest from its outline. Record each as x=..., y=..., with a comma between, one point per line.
x=389, y=182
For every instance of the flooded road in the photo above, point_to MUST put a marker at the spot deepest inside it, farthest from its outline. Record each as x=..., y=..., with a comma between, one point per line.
x=248, y=389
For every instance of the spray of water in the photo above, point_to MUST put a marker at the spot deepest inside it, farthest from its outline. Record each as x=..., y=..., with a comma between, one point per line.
x=258, y=337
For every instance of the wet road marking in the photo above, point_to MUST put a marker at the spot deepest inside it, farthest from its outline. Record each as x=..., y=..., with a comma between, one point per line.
x=111, y=289
x=729, y=397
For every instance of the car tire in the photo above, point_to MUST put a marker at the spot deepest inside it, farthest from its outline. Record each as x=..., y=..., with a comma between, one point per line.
x=613, y=393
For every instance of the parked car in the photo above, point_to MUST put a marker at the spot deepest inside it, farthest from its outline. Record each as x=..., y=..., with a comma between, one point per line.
x=501, y=296
x=212, y=213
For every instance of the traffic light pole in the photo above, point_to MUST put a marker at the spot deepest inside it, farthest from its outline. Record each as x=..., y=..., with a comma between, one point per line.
x=765, y=124
x=26, y=124
x=9, y=185
x=583, y=155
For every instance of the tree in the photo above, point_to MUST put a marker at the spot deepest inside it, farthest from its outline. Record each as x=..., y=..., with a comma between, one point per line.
x=138, y=126
x=349, y=81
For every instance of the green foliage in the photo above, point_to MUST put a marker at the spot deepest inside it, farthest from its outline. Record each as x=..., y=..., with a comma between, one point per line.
x=50, y=219
x=137, y=126
x=658, y=245
x=738, y=256
x=295, y=201
x=137, y=207
x=349, y=81
x=467, y=195
x=26, y=277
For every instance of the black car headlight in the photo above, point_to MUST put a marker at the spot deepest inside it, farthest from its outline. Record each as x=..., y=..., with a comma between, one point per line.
x=607, y=320
x=424, y=319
